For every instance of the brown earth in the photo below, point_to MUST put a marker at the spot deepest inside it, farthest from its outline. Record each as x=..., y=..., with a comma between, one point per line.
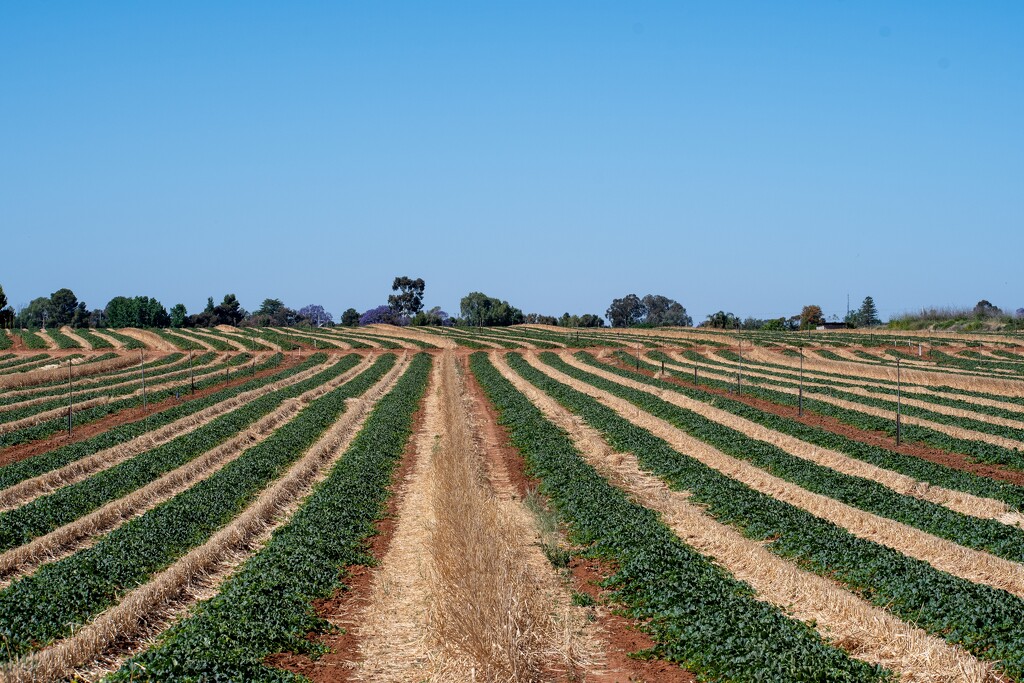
x=335, y=666
x=127, y=416
x=957, y=461
x=621, y=635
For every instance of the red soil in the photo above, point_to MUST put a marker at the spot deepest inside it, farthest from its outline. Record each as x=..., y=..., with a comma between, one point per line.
x=620, y=635
x=957, y=461
x=129, y=415
x=336, y=665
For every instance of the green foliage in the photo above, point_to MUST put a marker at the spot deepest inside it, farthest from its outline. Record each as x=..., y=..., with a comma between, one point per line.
x=61, y=596
x=63, y=341
x=350, y=318
x=409, y=300
x=810, y=317
x=33, y=340
x=987, y=535
x=868, y=313
x=698, y=615
x=46, y=513
x=15, y=472
x=95, y=341
x=139, y=311
x=479, y=310
x=266, y=607
x=944, y=605
x=627, y=311
x=179, y=314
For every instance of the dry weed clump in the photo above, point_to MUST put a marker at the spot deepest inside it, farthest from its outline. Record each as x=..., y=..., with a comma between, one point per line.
x=488, y=605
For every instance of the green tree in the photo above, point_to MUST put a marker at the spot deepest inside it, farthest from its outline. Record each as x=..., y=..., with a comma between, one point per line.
x=629, y=310
x=179, y=314
x=868, y=313
x=63, y=303
x=409, y=300
x=6, y=312
x=986, y=309
x=722, y=321
x=478, y=309
x=810, y=317
x=37, y=313
x=664, y=311
x=229, y=311
x=350, y=318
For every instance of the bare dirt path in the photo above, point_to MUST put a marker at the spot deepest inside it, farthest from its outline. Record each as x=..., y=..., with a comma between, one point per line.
x=401, y=629
x=866, y=632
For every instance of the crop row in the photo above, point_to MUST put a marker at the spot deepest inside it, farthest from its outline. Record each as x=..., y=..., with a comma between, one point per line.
x=988, y=535
x=62, y=340
x=19, y=471
x=879, y=386
x=987, y=622
x=267, y=606
x=919, y=469
x=59, y=597
x=94, y=340
x=979, y=450
x=698, y=615
x=68, y=503
x=24, y=360
x=32, y=340
x=205, y=377
x=90, y=388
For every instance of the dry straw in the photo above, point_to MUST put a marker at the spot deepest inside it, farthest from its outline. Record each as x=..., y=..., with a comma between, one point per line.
x=866, y=632
x=111, y=634
x=972, y=565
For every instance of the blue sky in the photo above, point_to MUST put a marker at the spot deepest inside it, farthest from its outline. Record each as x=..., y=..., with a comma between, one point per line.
x=746, y=156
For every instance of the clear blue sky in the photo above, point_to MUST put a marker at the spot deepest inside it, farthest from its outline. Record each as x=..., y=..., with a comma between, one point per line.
x=746, y=156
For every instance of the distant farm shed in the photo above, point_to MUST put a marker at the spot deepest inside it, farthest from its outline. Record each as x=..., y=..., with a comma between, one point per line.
x=832, y=326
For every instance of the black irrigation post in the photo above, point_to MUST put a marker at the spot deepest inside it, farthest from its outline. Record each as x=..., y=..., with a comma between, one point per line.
x=800, y=402
x=898, y=402
x=695, y=372
x=191, y=377
x=739, y=372
x=71, y=400
x=142, y=368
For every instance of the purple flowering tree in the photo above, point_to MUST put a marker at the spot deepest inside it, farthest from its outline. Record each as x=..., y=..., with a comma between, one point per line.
x=316, y=315
x=380, y=314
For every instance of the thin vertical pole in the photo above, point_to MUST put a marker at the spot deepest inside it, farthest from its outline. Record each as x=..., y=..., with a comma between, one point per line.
x=739, y=372
x=637, y=356
x=71, y=400
x=899, y=401
x=191, y=377
x=142, y=368
x=800, y=402
x=695, y=373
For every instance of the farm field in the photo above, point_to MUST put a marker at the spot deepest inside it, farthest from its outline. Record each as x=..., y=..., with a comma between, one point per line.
x=530, y=503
